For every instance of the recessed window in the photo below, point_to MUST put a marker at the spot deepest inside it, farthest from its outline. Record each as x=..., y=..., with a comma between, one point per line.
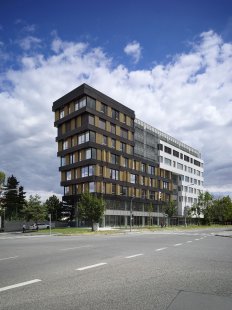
x=114, y=159
x=91, y=119
x=83, y=138
x=104, y=140
x=91, y=187
x=87, y=171
x=167, y=150
x=113, y=143
x=65, y=145
x=81, y=103
x=103, y=108
x=102, y=124
x=115, y=114
x=124, y=133
x=114, y=174
x=122, y=147
x=68, y=175
x=62, y=113
x=113, y=128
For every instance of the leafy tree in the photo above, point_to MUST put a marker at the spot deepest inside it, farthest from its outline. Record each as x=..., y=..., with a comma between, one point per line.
x=170, y=209
x=34, y=210
x=91, y=208
x=54, y=207
x=222, y=209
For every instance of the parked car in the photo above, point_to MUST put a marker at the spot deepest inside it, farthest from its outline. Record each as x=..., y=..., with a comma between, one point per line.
x=39, y=225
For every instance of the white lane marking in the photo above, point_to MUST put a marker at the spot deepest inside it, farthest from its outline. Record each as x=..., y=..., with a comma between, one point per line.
x=161, y=249
x=197, y=239
x=11, y=257
x=91, y=266
x=188, y=241
x=19, y=285
x=74, y=248
x=131, y=256
x=177, y=244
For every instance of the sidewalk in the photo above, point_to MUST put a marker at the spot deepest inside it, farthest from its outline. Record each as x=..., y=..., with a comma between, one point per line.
x=225, y=233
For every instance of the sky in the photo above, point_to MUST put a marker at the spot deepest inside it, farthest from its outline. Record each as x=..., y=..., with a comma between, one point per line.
x=168, y=60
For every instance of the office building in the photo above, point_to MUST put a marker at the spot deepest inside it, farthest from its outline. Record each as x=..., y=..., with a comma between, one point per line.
x=100, y=152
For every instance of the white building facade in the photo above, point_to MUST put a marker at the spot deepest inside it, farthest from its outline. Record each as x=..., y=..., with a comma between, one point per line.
x=183, y=161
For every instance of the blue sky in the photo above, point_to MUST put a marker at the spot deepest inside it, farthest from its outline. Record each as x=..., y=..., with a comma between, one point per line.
x=171, y=61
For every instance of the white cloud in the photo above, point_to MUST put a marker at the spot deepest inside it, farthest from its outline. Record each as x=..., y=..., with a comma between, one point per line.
x=134, y=50
x=28, y=42
x=189, y=98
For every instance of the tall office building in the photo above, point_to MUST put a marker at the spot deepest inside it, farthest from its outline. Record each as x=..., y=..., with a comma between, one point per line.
x=100, y=152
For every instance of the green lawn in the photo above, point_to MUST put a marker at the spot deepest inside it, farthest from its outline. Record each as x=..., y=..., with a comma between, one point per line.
x=79, y=231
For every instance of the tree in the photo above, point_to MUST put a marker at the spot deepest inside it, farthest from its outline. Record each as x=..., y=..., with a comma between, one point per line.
x=11, y=201
x=54, y=207
x=2, y=178
x=170, y=209
x=222, y=209
x=34, y=210
x=91, y=208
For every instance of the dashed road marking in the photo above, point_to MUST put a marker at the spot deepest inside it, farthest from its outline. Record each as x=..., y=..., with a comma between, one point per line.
x=91, y=266
x=197, y=239
x=135, y=255
x=189, y=241
x=178, y=244
x=161, y=249
x=74, y=248
x=19, y=285
x=11, y=257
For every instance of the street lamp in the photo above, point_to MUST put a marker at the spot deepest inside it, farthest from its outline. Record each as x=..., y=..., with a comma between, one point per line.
x=185, y=208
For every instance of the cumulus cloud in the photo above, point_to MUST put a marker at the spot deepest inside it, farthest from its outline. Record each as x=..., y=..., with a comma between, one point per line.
x=28, y=42
x=134, y=50
x=189, y=98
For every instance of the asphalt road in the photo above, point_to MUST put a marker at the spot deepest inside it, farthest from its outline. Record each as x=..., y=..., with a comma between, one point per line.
x=188, y=270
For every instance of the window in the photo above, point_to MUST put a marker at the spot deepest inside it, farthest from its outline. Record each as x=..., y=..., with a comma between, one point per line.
x=62, y=161
x=62, y=113
x=143, y=167
x=66, y=190
x=113, y=189
x=71, y=158
x=113, y=128
x=114, y=174
x=190, y=170
x=113, y=143
x=186, y=158
x=197, y=163
x=83, y=138
x=68, y=175
x=126, y=162
x=91, y=119
x=175, y=153
x=91, y=103
x=123, y=190
x=91, y=187
x=165, y=185
x=90, y=153
x=103, y=108
x=181, y=156
x=122, y=147
x=124, y=118
x=115, y=114
x=167, y=161
x=124, y=133
x=65, y=145
x=87, y=171
x=81, y=103
x=151, y=169
x=179, y=166
x=160, y=147
x=114, y=159
x=102, y=124
x=104, y=140
x=186, y=179
x=167, y=150
x=132, y=178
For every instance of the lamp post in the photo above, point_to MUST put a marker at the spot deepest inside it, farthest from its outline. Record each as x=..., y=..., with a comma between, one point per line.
x=185, y=208
x=131, y=212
